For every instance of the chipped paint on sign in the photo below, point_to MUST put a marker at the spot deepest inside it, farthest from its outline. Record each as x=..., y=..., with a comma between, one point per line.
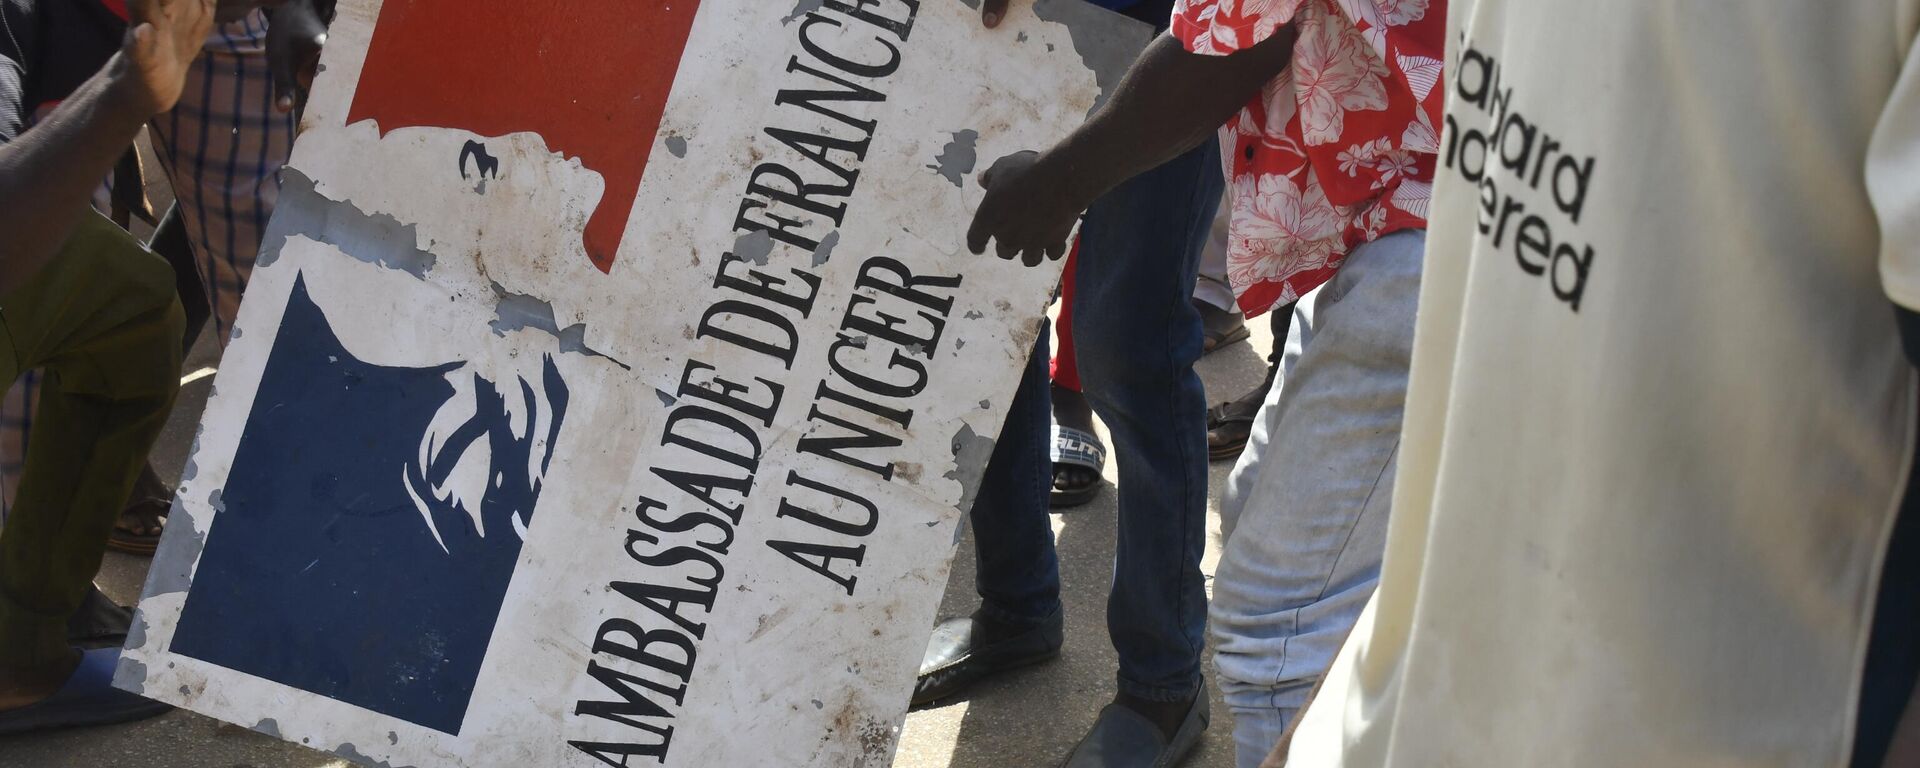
x=539, y=453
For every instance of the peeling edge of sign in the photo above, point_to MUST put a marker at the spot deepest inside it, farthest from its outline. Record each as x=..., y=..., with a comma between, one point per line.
x=172, y=570
x=1107, y=42
x=959, y=157
x=521, y=312
x=801, y=8
x=351, y=753
x=131, y=674
x=970, y=453
x=375, y=238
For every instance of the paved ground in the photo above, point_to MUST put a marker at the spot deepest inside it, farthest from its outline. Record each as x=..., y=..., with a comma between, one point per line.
x=1027, y=719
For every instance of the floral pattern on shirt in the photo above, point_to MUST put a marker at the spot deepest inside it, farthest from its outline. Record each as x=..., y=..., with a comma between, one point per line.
x=1338, y=150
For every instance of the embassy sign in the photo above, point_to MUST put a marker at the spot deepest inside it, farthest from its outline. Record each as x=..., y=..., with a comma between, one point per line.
x=613, y=380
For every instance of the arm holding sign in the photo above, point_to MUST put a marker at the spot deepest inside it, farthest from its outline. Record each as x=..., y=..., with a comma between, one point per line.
x=296, y=33
x=48, y=173
x=1170, y=101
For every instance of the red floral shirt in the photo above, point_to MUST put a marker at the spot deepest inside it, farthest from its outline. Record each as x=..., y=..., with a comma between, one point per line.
x=1336, y=151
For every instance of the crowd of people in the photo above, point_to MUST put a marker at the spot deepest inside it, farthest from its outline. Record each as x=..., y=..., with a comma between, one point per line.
x=95, y=324
x=1587, y=438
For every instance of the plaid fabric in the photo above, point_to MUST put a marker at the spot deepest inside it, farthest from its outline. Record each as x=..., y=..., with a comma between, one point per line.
x=222, y=147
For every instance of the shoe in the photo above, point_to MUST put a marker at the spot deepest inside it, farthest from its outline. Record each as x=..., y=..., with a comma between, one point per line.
x=87, y=698
x=1123, y=738
x=966, y=650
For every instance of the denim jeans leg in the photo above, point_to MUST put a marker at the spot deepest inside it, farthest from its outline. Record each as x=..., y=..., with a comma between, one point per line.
x=1018, y=573
x=1138, y=336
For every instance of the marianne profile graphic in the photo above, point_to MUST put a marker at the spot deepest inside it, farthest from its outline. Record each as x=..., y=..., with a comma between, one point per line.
x=370, y=524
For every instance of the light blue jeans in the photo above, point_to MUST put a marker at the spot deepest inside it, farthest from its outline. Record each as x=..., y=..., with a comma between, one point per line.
x=1305, y=513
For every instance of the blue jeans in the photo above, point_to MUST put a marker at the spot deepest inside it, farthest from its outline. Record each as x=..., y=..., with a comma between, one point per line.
x=1137, y=335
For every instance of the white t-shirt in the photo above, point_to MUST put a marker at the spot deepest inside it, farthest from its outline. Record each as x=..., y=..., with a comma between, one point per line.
x=1659, y=418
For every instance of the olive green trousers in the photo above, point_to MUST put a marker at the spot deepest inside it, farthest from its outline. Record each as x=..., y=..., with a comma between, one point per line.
x=103, y=322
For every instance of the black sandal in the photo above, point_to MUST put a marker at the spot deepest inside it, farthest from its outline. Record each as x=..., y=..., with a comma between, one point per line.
x=145, y=538
x=1075, y=449
x=1221, y=328
x=1229, y=427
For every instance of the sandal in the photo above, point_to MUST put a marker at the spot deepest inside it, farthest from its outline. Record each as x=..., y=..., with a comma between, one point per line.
x=1229, y=427
x=1223, y=328
x=1075, y=449
x=138, y=530
x=87, y=698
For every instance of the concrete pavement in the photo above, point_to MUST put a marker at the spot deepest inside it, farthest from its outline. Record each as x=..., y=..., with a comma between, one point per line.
x=1028, y=718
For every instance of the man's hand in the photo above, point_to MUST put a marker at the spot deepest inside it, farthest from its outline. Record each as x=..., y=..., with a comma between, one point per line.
x=992, y=11
x=296, y=33
x=1027, y=212
x=163, y=38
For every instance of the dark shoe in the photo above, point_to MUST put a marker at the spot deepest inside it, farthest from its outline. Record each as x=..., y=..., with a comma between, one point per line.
x=87, y=698
x=100, y=623
x=1123, y=738
x=965, y=650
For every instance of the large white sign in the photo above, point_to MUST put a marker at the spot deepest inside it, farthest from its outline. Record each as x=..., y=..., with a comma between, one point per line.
x=613, y=380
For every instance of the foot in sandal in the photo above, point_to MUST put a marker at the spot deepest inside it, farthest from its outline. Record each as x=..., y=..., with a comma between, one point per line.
x=138, y=530
x=1078, y=455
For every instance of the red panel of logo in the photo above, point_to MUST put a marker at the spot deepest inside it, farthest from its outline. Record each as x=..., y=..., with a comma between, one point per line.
x=590, y=76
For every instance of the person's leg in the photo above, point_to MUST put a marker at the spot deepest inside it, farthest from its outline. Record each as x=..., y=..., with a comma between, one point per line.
x=1211, y=286
x=103, y=322
x=1280, y=322
x=1305, y=512
x=1019, y=620
x=1066, y=367
x=1230, y=424
x=1138, y=337
x=16, y=425
x=1077, y=453
x=1220, y=319
x=223, y=146
x=1019, y=572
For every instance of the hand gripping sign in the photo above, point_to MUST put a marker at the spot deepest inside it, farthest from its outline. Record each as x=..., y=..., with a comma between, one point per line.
x=613, y=380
